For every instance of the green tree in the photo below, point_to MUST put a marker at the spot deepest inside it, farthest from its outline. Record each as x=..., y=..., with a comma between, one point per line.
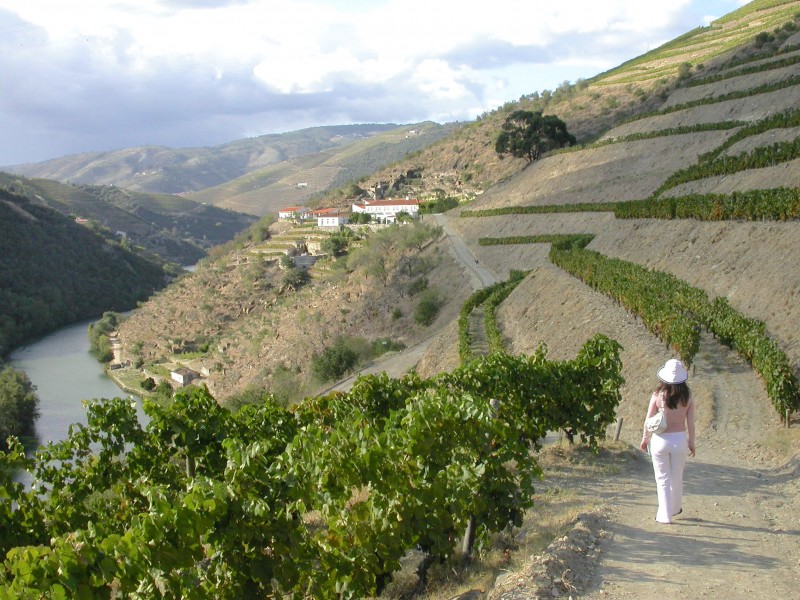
x=428, y=308
x=334, y=361
x=99, y=340
x=19, y=404
x=528, y=135
x=360, y=218
x=294, y=279
x=335, y=245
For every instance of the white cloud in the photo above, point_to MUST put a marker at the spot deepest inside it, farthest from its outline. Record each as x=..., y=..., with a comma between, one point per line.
x=185, y=70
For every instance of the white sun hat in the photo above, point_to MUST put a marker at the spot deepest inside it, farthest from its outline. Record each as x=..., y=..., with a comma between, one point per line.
x=673, y=372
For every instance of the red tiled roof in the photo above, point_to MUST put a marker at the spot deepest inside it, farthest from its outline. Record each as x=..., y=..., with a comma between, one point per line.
x=324, y=211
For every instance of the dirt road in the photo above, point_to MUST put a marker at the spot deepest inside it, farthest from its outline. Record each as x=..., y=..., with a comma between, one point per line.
x=739, y=533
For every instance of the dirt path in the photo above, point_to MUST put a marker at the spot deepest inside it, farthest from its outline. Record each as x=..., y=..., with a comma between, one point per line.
x=739, y=534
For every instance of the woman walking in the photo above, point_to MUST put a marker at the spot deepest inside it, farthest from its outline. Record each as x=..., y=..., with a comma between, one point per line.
x=669, y=448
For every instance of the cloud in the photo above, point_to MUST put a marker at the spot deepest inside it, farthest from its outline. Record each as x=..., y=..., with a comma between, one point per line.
x=191, y=72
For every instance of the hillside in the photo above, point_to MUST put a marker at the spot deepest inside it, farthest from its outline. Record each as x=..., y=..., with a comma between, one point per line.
x=171, y=171
x=303, y=179
x=56, y=272
x=630, y=162
x=256, y=175
x=758, y=35
x=177, y=229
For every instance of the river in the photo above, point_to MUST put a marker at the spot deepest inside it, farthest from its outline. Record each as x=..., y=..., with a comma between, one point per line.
x=64, y=373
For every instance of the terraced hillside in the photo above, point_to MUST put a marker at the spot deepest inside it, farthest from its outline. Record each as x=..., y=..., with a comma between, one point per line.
x=752, y=263
x=713, y=131
x=715, y=210
x=759, y=42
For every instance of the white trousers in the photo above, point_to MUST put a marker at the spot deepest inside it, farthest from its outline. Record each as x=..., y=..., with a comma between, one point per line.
x=669, y=451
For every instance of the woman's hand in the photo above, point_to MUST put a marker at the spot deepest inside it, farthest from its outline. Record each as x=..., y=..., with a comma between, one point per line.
x=691, y=449
x=643, y=445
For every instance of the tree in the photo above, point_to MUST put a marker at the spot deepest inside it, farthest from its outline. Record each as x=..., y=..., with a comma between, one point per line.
x=99, y=332
x=334, y=361
x=19, y=404
x=528, y=135
x=294, y=279
x=335, y=245
x=428, y=308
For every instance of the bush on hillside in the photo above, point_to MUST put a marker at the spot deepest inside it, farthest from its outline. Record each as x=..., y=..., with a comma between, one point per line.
x=428, y=308
x=334, y=361
x=19, y=404
x=294, y=279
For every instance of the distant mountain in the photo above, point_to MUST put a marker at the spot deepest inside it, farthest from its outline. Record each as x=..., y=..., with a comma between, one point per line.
x=177, y=229
x=298, y=180
x=55, y=272
x=170, y=171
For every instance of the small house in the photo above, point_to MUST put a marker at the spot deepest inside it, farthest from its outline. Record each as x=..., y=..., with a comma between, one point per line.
x=333, y=219
x=184, y=376
x=387, y=210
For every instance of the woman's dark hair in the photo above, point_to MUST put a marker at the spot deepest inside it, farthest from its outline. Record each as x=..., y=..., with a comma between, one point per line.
x=674, y=393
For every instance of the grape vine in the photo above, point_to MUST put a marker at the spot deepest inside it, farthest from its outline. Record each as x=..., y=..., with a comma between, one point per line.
x=674, y=311
x=321, y=500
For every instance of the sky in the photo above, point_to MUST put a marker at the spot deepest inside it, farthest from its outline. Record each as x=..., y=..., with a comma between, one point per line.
x=95, y=75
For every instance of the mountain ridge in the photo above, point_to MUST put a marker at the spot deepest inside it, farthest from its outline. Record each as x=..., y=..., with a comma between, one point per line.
x=159, y=169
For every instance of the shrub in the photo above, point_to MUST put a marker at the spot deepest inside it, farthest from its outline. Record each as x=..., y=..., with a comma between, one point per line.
x=418, y=285
x=295, y=278
x=334, y=361
x=19, y=404
x=427, y=309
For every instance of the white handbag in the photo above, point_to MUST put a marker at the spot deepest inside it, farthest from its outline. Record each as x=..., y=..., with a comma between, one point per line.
x=658, y=422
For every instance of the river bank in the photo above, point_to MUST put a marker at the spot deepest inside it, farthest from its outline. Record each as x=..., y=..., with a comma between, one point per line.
x=66, y=376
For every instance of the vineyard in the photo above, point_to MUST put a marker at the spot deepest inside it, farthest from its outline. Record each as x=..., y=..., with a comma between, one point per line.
x=322, y=500
x=675, y=311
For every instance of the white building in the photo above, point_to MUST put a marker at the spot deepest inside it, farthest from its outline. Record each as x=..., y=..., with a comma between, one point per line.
x=386, y=210
x=293, y=212
x=332, y=218
x=184, y=376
